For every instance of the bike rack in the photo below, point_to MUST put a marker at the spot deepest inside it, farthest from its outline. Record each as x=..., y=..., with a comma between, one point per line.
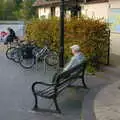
x=45, y=65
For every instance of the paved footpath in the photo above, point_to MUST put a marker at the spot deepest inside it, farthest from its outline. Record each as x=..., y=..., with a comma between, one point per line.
x=107, y=103
x=16, y=99
x=101, y=101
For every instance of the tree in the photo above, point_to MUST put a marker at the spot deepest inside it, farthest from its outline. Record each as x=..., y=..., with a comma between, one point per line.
x=10, y=6
x=26, y=10
x=16, y=12
x=2, y=9
x=16, y=9
x=18, y=2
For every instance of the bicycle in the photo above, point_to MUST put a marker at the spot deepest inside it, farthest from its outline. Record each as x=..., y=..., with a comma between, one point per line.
x=14, y=52
x=39, y=55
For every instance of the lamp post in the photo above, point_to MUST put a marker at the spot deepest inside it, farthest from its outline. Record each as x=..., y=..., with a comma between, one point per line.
x=61, y=54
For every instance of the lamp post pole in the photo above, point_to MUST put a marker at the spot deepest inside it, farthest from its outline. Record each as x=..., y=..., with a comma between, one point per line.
x=61, y=55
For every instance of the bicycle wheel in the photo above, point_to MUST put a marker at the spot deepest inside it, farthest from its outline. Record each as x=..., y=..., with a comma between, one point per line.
x=27, y=63
x=10, y=53
x=16, y=55
x=51, y=59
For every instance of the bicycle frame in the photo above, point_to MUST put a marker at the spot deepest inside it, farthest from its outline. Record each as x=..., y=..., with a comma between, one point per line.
x=42, y=53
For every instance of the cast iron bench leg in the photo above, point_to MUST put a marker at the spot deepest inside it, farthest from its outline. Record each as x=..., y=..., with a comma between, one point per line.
x=56, y=105
x=36, y=102
x=35, y=96
x=84, y=84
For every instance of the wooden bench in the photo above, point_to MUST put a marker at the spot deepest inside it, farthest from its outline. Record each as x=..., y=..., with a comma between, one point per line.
x=60, y=83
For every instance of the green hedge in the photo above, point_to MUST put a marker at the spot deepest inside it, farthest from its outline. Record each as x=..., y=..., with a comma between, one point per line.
x=92, y=36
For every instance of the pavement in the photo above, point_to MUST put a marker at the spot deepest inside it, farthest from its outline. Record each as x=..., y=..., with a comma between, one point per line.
x=102, y=101
x=16, y=99
x=107, y=103
x=99, y=102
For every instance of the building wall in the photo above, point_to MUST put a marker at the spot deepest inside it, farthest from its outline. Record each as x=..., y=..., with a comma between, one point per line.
x=114, y=3
x=96, y=10
x=57, y=11
x=115, y=38
x=44, y=12
x=115, y=49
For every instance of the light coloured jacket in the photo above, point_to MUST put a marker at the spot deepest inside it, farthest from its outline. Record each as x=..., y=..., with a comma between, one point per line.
x=75, y=60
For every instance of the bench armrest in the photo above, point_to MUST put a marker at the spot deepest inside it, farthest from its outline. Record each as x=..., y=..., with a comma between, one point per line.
x=42, y=83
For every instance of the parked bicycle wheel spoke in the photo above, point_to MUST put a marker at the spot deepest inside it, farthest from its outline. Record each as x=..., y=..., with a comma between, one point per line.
x=16, y=55
x=10, y=53
x=51, y=60
x=27, y=62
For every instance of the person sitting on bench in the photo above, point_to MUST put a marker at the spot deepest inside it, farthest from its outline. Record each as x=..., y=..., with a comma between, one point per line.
x=74, y=70
x=78, y=57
